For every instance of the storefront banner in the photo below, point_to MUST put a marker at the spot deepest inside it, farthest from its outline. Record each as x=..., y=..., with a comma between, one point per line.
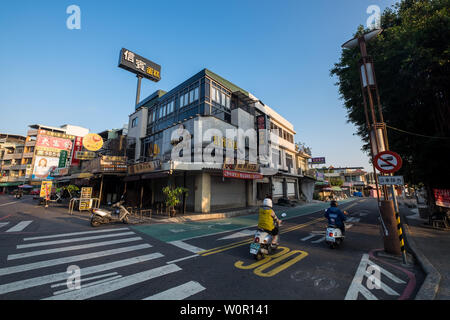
x=85, y=155
x=56, y=134
x=442, y=197
x=43, y=165
x=241, y=175
x=144, y=167
x=54, y=143
x=77, y=147
x=252, y=167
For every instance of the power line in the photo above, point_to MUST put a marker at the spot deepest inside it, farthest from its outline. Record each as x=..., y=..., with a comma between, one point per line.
x=416, y=134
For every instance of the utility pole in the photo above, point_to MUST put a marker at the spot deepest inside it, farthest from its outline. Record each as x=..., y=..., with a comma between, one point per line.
x=393, y=237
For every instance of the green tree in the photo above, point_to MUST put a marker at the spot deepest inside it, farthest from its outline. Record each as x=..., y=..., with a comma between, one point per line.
x=412, y=66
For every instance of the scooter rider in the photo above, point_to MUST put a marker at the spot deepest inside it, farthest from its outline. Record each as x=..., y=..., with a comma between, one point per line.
x=335, y=216
x=268, y=221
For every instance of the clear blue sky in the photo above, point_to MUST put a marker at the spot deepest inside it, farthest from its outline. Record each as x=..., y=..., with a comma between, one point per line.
x=281, y=51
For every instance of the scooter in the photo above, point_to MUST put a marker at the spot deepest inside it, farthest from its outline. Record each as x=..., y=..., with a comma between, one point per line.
x=101, y=216
x=333, y=235
x=262, y=243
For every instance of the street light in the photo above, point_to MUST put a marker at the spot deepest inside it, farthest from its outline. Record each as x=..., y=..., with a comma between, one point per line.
x=377, y=134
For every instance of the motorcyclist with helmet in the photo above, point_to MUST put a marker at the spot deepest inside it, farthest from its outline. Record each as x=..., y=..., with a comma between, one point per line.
x=335, y=216
x=268, y=221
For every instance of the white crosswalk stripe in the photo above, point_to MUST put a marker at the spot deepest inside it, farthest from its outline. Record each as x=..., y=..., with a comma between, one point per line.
x=35, y=256
x=18, y=227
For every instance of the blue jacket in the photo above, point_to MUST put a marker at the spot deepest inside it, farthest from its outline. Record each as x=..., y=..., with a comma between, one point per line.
x=335, y=216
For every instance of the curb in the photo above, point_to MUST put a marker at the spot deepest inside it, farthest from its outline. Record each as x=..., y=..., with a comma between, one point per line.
x=430, y=286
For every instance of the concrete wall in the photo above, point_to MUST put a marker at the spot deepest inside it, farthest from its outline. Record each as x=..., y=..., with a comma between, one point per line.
x=138, y=131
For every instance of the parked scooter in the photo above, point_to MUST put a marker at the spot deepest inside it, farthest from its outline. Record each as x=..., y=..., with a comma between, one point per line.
x=118, y=214
x=262, y=243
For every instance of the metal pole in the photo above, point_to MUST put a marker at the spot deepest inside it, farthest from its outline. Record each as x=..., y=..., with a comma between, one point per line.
x=138, y=89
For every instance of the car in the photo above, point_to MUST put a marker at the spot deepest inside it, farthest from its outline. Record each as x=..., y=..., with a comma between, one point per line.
x=35, y=191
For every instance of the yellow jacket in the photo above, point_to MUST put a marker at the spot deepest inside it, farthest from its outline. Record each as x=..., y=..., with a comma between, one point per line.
x=265, y=220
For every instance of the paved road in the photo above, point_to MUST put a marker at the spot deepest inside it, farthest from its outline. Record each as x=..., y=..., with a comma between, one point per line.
x=209, y=260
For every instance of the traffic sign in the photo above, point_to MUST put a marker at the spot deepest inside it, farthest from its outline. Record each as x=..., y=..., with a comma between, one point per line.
x=391, y=180
x=387, y=162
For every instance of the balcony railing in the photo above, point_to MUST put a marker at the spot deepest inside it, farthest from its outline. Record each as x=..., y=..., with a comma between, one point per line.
x=11, y=156
x=32, y=132
x=30, y=143
x=28, y=154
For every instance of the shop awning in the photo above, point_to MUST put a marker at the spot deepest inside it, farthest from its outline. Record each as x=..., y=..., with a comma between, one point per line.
x=154, y=175
x=10, y=184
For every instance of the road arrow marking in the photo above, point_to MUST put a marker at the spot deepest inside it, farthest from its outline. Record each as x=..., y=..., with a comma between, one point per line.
x=239, y=234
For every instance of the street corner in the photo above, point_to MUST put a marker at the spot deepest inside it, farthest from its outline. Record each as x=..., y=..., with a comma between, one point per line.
x=382, y=276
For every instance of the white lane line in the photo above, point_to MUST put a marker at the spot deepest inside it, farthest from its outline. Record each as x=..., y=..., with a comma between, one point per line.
x=85, y=279
x=8, y=203
x=62, y=276
x=178, y=293
x=182, y=259
x=186, y=246
x=2, y=224
x=308, y=237
x=64, y=249
x=356, y=285
x=48, y=243
x=87, y=285
x=73, y=234
x=100, y=289
x=319, y=240
x=19, y=227
x=58, y=261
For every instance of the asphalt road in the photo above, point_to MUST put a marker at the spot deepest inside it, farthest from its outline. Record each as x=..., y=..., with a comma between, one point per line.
x=49, y=254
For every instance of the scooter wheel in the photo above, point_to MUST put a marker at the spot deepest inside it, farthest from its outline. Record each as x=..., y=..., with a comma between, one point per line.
x=258, y=256
x=95, y=223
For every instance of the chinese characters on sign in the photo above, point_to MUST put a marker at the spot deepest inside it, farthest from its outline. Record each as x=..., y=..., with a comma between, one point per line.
x=320, y=160
x=241, y=175
x=391, y=180
x=134, y=63
x=50, y=143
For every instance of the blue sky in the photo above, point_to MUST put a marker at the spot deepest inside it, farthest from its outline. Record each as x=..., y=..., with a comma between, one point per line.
x=281, y=51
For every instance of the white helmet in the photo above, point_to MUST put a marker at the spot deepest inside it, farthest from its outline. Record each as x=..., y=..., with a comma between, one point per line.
x=267, y=203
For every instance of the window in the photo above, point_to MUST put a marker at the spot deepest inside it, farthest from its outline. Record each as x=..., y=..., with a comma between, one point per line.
x=134, y=122
x=150, y=117
x=181, y=101
x=196, y=94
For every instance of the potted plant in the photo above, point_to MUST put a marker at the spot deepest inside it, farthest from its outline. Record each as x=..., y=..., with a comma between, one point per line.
x=173, y=198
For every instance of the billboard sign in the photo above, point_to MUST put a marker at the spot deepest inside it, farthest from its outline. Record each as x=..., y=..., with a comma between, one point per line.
x=134, y=63
x=85, y=155
x=92, y=142
x=320, y=160
x=43, y=166
x=46, y=189
x=50, y=143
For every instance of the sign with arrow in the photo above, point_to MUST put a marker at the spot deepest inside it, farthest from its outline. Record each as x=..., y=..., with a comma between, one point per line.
x=387, y=162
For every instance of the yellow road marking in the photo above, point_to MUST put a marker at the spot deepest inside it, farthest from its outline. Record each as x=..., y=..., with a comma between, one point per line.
x=247, y=241
x=240, y=264
x=259, y=271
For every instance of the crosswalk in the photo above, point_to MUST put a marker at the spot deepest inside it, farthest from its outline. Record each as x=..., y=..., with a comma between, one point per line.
x=127, y=260
x=16, y=227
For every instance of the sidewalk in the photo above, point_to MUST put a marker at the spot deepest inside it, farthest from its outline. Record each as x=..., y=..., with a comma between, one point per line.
x=431, y=249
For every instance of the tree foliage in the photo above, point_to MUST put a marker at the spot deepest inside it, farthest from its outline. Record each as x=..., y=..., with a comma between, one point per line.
x=412, y=66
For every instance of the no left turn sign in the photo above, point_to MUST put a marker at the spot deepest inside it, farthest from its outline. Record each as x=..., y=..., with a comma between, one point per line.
x=387, y=162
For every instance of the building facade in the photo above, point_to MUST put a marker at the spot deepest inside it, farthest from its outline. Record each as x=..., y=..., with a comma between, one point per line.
x=214, y=138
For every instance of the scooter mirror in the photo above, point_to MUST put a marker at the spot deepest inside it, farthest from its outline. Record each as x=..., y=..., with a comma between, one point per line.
x=283, y=215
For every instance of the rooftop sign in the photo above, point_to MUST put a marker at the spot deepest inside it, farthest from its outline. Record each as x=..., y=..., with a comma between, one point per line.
x=134, y=63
